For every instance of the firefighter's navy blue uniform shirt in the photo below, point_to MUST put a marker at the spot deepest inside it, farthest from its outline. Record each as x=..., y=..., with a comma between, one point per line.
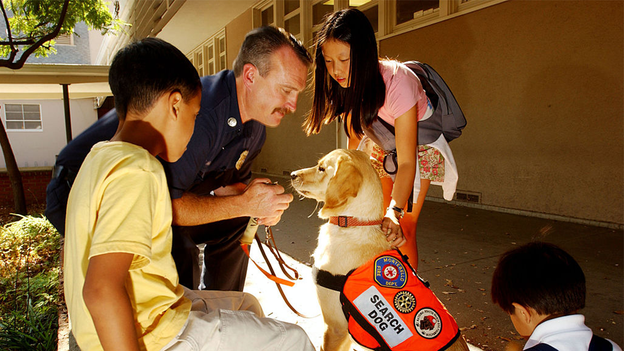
x=220, y=141
x=221, y=149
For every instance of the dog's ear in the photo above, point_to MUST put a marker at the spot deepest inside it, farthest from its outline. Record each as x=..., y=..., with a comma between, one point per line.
x=344, y=185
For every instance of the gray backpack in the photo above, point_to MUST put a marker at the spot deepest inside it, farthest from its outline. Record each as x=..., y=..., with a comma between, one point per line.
x=447, y=118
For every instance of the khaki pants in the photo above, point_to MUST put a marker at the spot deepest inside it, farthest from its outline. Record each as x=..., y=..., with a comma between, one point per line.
x=230, y=320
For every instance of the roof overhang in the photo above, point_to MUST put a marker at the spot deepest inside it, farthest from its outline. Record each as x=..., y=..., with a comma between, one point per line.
x=196, y=21
x=44, y=81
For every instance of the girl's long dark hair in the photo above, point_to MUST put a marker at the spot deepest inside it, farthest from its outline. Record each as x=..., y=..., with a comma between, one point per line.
x=366, y=92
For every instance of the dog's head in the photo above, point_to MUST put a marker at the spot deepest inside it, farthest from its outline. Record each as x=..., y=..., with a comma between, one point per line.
x=345, y=181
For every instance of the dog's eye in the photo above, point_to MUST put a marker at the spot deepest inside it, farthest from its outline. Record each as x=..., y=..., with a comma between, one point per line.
x=321, y=169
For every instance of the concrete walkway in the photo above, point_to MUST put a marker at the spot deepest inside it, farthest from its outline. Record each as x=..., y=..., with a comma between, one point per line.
x=459, y=247
x=302, y=296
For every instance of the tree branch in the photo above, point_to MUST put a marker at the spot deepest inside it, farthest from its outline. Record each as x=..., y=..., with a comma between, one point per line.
x=8, y=27
x=18, y=42
x=20, y=63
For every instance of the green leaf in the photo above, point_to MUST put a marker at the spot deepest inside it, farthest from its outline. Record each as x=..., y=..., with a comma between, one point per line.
x=34, y=19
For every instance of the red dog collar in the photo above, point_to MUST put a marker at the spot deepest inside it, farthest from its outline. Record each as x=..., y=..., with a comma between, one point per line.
x=348, y=221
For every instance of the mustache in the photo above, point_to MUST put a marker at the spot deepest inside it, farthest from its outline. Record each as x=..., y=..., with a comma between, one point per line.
x=283, y=110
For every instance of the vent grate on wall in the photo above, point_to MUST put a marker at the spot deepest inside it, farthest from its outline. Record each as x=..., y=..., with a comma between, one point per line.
x=468, y=197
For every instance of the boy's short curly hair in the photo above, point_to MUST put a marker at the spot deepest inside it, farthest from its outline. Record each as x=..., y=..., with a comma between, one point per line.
x=144, y=70
x=541, y=276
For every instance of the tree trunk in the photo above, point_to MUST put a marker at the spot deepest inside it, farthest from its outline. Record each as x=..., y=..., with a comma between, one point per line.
x=19, y=200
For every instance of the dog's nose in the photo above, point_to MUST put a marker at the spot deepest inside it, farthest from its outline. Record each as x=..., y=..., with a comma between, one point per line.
x=293, y=175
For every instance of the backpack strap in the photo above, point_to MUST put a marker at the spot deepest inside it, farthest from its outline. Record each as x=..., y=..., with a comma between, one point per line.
x=599, y=344
x=541, y=347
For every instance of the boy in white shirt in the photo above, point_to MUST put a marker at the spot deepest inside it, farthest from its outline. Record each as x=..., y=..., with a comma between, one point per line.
x=542, y=288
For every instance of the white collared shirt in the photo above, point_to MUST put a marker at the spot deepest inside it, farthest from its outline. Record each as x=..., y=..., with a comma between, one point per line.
x=567, y=333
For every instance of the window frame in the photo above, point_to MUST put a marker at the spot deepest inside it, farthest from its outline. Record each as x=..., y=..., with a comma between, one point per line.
x=69, y=41
x=23, y=120
x=260, y=7
x=387, y=26
x=303, y=24
x=222, y=54
x=448, y=9
x=203, y=51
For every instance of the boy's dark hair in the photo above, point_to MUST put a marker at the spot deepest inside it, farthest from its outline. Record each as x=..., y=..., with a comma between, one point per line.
x=366, y=92
x=541, y=276
x=144, y=70
x=261, y=43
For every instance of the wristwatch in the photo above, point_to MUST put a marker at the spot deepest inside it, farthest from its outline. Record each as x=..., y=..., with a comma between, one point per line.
x=398, y=210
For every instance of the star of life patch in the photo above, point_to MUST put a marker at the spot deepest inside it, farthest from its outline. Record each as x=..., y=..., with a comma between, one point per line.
x=390, y=272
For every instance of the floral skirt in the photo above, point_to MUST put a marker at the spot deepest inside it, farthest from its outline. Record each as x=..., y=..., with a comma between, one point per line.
x=430, y=160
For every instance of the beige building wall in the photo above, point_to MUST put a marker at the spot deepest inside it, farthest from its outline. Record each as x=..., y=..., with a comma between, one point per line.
x=235, y=34
x=541, y=84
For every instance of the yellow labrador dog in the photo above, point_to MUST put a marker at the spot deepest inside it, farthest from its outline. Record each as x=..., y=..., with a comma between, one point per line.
x=348, y=186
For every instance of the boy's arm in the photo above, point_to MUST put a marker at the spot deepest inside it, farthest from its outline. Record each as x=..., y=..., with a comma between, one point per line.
x=106, y=298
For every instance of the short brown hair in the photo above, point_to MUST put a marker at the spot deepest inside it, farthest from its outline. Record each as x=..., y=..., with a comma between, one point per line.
x=261, y=43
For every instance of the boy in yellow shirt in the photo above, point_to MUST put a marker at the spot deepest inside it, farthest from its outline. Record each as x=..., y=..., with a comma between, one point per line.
x=121, y=284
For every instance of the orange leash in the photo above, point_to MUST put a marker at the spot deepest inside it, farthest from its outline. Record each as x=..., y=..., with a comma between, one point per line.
x=278, y=281
x=272, y=277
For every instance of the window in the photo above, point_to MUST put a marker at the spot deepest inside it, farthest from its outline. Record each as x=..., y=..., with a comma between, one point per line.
x=406, y=15
x=290, y=6
x=407, y=10
x=303, y=18
x=199, y=62
x=65, y=39
x=293, y=25
x=370, y=9
x=356, y=3
x=267, y=16
x=292, y=17
x=22, y=116
x=222, y=60
x=320, y=9
x=210, y=57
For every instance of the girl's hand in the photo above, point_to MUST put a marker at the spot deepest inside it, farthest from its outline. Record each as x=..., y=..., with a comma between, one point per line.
x=392, y=230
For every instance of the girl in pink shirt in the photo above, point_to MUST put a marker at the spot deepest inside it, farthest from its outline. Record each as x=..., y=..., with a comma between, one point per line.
x=353, y=84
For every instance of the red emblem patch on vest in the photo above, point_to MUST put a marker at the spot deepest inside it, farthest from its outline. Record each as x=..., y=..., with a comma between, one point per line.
x=390, y=272
x=428, y=323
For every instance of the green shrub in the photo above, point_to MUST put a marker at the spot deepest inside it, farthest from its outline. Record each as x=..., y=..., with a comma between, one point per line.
x=29, y=284
x=35, y=330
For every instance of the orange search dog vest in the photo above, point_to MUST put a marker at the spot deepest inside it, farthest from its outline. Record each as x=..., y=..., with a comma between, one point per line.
x=389, y=307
